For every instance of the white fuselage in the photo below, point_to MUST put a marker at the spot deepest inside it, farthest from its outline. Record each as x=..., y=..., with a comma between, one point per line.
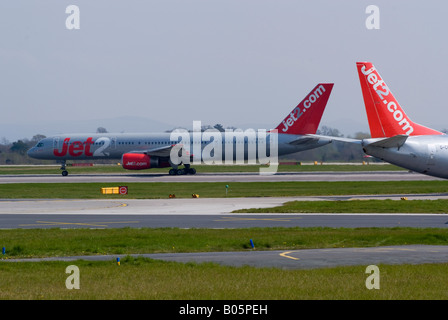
x=113, y=146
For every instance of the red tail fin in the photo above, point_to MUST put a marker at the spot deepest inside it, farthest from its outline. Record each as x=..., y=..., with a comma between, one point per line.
x=305, y=118
x=384, y=113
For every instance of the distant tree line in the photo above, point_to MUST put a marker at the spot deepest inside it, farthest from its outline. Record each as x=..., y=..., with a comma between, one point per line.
x=15, y=152
x=218, y=127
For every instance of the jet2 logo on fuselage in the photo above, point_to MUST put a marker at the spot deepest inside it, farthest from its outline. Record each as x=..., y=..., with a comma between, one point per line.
x=75, y=149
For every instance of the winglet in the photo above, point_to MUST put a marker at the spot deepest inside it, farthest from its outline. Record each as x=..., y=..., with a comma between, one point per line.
x=384, y=113
x=305, y=118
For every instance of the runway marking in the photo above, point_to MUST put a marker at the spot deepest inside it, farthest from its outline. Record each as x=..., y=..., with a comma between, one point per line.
x=285, y=255
x=92, y=224
x=257, y=219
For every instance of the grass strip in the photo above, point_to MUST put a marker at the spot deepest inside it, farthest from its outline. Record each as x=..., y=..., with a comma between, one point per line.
x=139, y=278
x=356, y=206
x=160, y=190
x=27, y=243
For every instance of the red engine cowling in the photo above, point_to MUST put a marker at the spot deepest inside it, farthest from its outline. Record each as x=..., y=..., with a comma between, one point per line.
x=141, y=161
x=136, y=161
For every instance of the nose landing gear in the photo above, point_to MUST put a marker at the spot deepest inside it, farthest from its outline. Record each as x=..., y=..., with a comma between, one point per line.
x=63, y=168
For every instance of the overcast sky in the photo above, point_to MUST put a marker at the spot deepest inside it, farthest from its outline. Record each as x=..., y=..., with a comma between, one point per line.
x=235, y=62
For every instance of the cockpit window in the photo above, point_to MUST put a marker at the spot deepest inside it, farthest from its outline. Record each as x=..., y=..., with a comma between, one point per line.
x=39, y=145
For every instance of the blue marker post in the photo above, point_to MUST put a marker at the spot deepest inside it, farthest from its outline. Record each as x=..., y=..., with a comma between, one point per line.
x=118, y=261
x=227, y=187
x=252, y=244
x=3, y=250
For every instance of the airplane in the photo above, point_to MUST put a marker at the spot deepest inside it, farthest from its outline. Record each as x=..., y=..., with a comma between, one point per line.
x=395, y=138
x=156, y=150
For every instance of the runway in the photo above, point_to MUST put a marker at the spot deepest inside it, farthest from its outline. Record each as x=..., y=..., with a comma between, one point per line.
x=30, y=221
x=199, y=213
x=219, y=177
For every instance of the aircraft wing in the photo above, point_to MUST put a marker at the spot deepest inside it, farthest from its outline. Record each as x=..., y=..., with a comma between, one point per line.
x=393, y=142
x=305, y=140
x=157, y=152
x=164, y=152
x=332, y=138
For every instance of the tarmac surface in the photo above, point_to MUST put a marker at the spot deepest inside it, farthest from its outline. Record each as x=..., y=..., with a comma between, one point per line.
x=219, y=177
x=295, y=259
x=200, y=213
x=217, y=213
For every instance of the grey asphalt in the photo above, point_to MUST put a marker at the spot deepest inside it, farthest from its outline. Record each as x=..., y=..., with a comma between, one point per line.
x=31, y=221
x=219, y=177
x=199, y=213
x=294, y=259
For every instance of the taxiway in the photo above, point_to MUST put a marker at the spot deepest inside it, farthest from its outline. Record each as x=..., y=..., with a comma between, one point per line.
x=200, y=213
x=217, y=213
x=219, y=177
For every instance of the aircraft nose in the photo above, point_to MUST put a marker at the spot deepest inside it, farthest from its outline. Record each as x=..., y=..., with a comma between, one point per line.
x=32, y=152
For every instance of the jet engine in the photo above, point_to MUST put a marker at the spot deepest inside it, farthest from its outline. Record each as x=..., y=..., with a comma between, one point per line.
x=140, y=161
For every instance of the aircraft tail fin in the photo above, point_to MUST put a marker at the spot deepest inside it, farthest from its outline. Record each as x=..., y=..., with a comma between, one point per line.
x=385, y=116
x=306, y=116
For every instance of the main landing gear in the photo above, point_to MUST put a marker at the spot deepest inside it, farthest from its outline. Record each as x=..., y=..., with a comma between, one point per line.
x=174, y=172
x=186, y=170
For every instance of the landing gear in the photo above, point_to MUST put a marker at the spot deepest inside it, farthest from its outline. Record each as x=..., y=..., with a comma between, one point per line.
x=186, y=170
x=64, y=171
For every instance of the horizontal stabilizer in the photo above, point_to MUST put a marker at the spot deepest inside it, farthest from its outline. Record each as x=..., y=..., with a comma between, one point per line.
x=394, y=142
x=305, y=140
x=333, y=138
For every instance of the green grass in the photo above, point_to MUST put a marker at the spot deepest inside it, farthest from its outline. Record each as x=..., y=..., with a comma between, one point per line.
x=160, y=190
x=141, y=278
x=147, y=279
x=27, y=243
x=356, y=206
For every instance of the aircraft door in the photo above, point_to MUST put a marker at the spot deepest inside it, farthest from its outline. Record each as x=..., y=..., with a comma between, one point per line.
x=56, y=143
x=431, y=154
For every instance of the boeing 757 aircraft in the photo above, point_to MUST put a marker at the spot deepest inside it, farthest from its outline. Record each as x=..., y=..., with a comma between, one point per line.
x=157, y=150
x=395, y=138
